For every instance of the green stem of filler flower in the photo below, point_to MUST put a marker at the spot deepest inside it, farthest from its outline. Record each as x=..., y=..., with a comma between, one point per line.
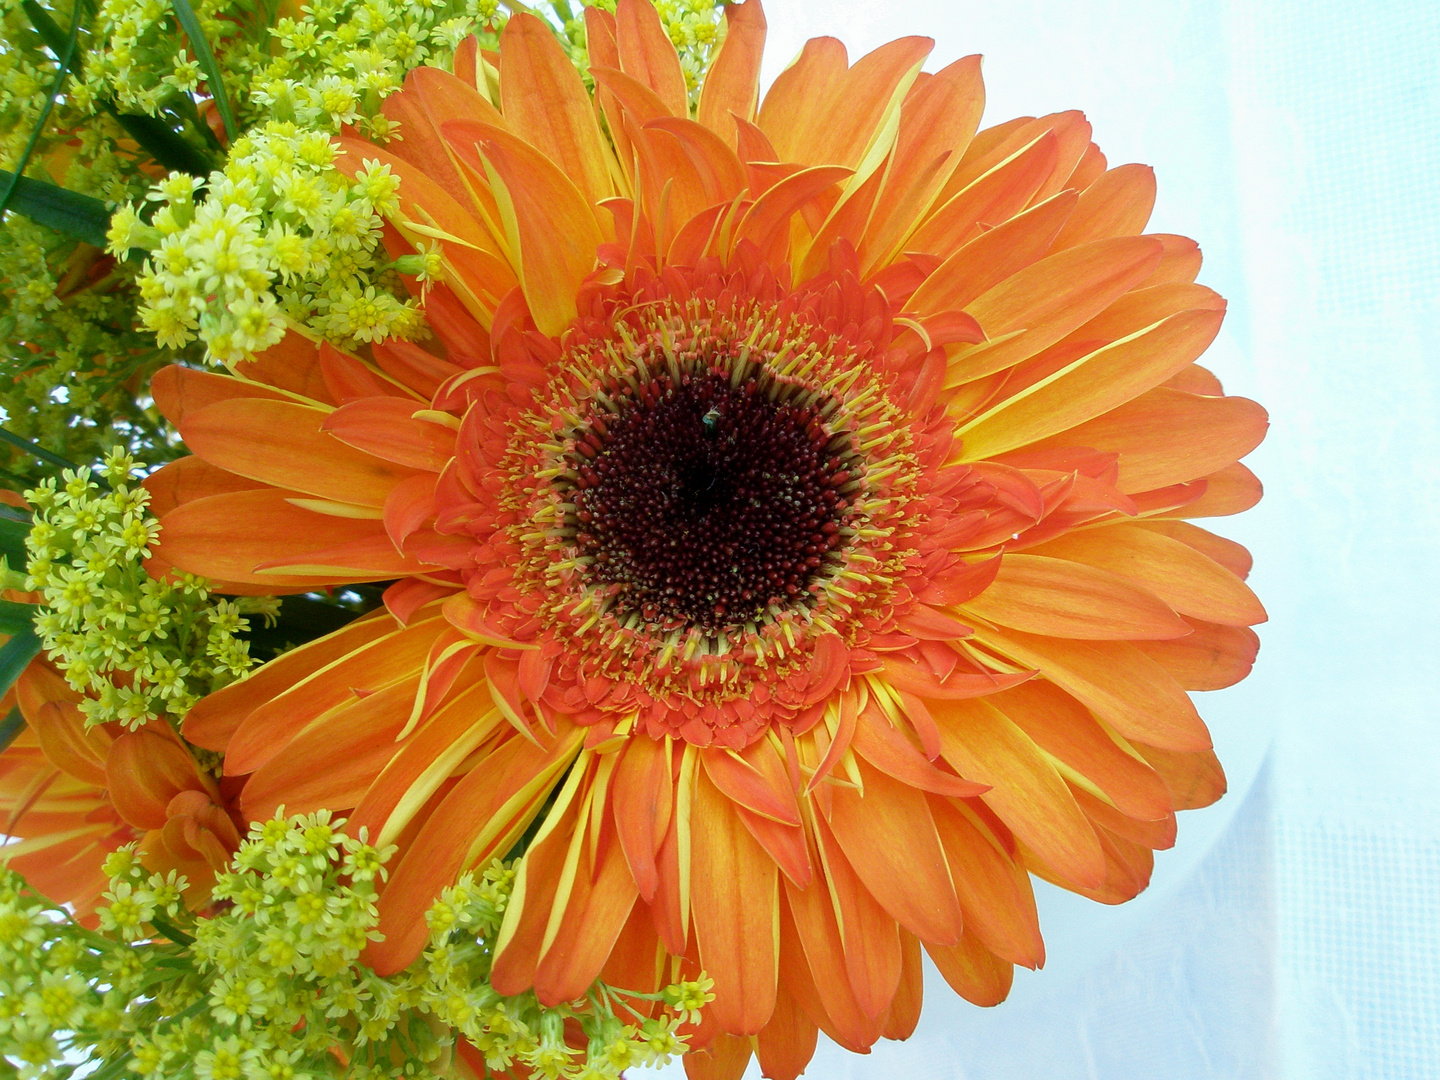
x=66, y=59
x=35, y=450
x=205, y=57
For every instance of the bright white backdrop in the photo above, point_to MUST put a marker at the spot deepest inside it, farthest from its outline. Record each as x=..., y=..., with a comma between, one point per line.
x=1295, y=931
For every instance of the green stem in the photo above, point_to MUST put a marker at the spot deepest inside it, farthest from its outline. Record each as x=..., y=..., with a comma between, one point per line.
x=65, y=61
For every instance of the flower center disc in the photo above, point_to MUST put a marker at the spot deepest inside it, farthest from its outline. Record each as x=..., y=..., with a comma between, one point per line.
x=707, y=501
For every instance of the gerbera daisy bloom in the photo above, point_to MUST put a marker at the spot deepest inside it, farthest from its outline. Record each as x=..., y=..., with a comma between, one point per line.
x=788, y=528
x=72, y=793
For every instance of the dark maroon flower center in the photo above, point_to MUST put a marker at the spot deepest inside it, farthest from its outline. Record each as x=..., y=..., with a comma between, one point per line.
x=707, y=501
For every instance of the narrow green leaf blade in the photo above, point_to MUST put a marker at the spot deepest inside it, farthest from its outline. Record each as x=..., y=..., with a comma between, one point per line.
x=164, y=144
x=31, y=448
x=206, y=59
x=14, y=527
x=11, y=726
x=67, y=57
x=79, y=217
x=48, y=29
x=16, y=618
x=14, y=655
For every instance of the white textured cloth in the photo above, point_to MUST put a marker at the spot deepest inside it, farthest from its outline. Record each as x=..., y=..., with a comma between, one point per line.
x=1294, y=932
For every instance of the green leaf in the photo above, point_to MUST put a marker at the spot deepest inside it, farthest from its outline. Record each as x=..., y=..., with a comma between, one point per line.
x=48, y=29
x=6, y=435
x=16, y=618
x=14, y=655
x=164, y=144
x=10, y=727
x=191, y=25
x=13, y=530
x=67, y=57
x=77, y=216
x=179, y=937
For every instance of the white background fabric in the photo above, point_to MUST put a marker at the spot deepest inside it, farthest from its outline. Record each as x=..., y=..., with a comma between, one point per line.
x=1294, y=932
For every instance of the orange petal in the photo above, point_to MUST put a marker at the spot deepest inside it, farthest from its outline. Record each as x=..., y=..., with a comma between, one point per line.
x=187, y=479
x=595, y=912
x=992, y=198
x=767, y=222
x=765, y=790
x=481, y=816
x=733, y=902
x=214, y=718
x=1026, y=792
x=1091, y=168
x=543, y=871
x=1180, y=261
x=548, y=224
x=292, y=364
x=1187, y=580
x=60, y=729
x=544, y=100
x=993, y=256
x=787, y=1043
x=427, y=758
x=1158, y=835
x=1055, y=596
x=642, y=801
x=905, y=1009
x=647, y=54
x=973, y=971
x=374, y=665
x=670, y=187
x=889, y=838
x=430, y=95
x=179, y=391
x=333, y=760
x=870, y=935
x=719, y=170
x=994, y=890
x=1031, y=310
x=1116, y=681
x=724, y=1059
x=919, y=680
x=387, y=428
x=785, y=844
x=1064, y=728
x=1231, y=490
x=808, y=921
x=1116, y=204
x=295, y=453
x=144, y=771
x=879, y=743
x=732, y=85
x=1211, y=658
x=1234, y=557
x=1194, y=780
x=937, y=121
x=231, y=536
x=850, y=107
x=1166, y=436
x=1093, y=384
x=797, y=99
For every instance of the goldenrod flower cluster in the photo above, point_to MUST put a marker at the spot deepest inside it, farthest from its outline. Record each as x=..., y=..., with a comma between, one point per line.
x=139, y=648
x=72, y=359
x=269, y=987
x=279, y=234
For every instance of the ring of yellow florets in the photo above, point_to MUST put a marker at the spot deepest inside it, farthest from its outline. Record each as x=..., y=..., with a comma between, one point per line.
x=711, y=661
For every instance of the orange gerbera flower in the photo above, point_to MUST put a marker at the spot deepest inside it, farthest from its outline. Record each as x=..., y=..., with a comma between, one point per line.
x=787, y=525
x=72, y=794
